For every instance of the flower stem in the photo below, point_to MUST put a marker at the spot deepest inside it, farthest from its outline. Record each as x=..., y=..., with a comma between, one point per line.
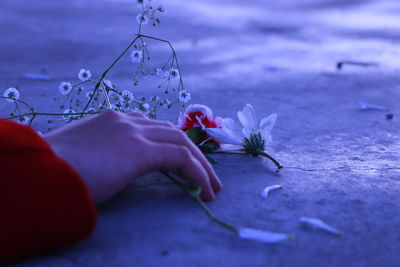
x=102, y=77
x=277, y=164
x=52, y=114
x=196, y=195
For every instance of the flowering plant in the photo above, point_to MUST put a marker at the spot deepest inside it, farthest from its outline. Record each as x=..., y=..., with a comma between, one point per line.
x=92, y=95
x=252, y=139
x=210, y=134
x=223, y=135
x=194, y=120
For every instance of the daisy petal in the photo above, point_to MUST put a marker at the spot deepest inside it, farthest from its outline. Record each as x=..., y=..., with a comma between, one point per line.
x=227, y=148
x=267, y=124
x=230, y=124
x=231, y=128
x=248, y=118
x=268, y=189
x=222, y=136
x=219, y=122
x=246, y=132
x=267, y=139
x=263, y=236
x=318, y=223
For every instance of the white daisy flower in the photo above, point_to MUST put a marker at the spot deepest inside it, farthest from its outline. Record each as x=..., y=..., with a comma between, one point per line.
x=251, y=139
x=162, y=9
x=136, y=56
x=142, y=19
x=11, y=93
x=65, y=88
x=84, y=75
x=174, y=74
x=184, y=96
x=23, y=119
x=68, y=117
x=162, y=73
x=127, y=96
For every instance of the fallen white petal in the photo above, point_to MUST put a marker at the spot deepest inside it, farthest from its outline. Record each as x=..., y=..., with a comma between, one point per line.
x=318, y=223
x=37, y=77
x=367, y=106
x=269, y=189
x=262, y=236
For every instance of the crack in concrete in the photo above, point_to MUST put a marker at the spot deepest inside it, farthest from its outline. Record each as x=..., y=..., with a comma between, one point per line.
x=344, y=168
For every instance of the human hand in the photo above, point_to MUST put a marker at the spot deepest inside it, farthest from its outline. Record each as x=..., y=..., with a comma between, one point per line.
x=111, y=149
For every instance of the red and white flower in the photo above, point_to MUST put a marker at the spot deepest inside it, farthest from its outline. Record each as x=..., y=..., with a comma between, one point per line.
x=198, y=116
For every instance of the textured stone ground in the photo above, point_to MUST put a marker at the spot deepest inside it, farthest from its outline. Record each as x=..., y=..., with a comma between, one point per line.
x=341, y=162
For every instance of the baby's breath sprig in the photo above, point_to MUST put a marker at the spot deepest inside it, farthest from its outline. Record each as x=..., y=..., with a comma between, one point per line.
x=77, y=101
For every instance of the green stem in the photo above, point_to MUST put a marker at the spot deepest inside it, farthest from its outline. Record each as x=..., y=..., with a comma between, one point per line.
x=108, y=102
x=107, y=70
x=17, y=100
x=174, y=56
x=51, y=114
x=196, y=195
x=278, y=165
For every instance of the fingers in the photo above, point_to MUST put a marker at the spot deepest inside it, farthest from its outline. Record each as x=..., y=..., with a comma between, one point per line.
x=149, y=122
x=137, y=115
x=164, y=133
x=175, y=157
x=177, y=137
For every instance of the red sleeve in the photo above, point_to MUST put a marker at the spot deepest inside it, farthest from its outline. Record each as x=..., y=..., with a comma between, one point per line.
x=43, y=202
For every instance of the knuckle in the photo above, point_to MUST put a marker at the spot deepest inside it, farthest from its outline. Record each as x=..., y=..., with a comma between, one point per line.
x=136, y=138
x=184, y=152
x=124, y=126
x=169, y=124
x=182, y=135
x=139, y=115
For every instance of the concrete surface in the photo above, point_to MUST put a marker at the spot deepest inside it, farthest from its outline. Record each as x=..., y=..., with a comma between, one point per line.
x=341, y=162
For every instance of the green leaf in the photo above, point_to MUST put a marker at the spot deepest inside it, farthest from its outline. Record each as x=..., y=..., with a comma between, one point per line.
x=209, y=146
x=197, y=135
x=196, y=192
